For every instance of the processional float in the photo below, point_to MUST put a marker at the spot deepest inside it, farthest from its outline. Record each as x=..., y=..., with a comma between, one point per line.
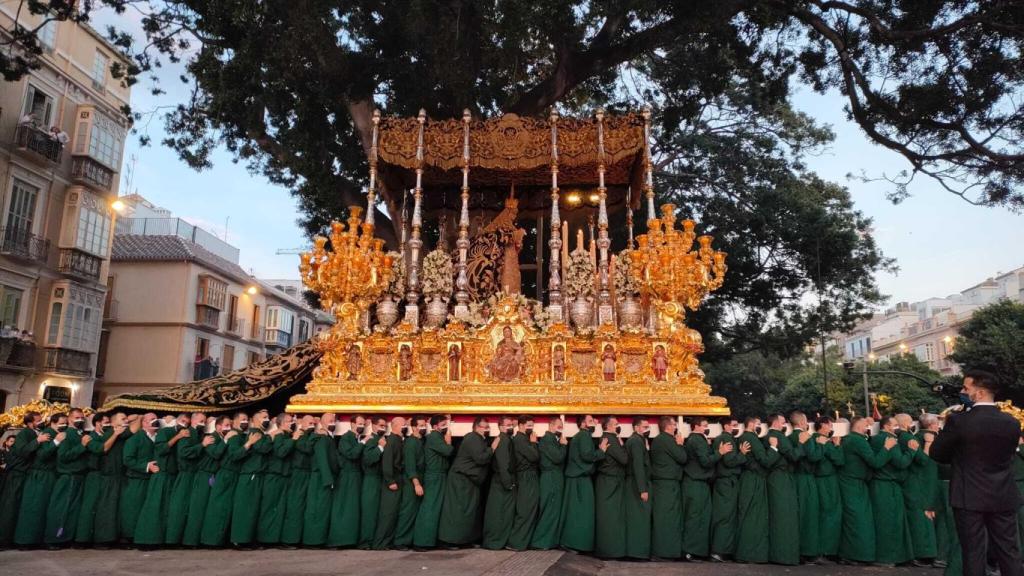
x=451, y=331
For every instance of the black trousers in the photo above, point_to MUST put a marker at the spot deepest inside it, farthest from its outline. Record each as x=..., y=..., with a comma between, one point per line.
x=978, y=530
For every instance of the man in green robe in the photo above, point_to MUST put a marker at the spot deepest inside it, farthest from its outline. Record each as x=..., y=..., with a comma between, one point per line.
x=93, y=480
x=698, y=473
x=668, y=455
x=298, y=482
x=948, y=553
x=19, y=462
x=344, y=529
x=809, y=507
x=274, y=497
x=826, y=478
x=460, y=523
x=323, y=471
x=369, y=493
x=413, y=467
x=107, y=528
x=610, y=493
x=391, y=481
x=783, y=501
x=217, y=517
x=151, y=528
x=577, y=518
x=500, y=509
x=139, y=466
x=920, y=491
x=637, y=497
x=892, y=534
x=42, y=475
x=527, y=471
x=252, y=456
x=553, y=446
x=753, y=537
x=437, y=453
x=860, y=460
x=214, y=447
x=725, y=494
x=188, y=451
x=66, y=499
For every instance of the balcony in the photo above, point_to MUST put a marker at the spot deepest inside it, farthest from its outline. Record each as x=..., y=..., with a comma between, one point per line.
x=257, y=333
x=277, y=338
x=68, y=362
x=17, y=355
x=79, y=264
x=110, y=311
x=38, y=144
x=236, y=326
x=208, y=316
x=86, y=171
x=22, y=244
x=205, y=368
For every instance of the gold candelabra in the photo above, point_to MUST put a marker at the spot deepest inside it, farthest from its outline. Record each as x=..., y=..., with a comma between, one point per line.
x=351, y=274
x=670, y=271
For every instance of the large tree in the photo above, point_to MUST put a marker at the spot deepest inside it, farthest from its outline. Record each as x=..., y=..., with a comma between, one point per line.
x=289, y=86
x=993, y=339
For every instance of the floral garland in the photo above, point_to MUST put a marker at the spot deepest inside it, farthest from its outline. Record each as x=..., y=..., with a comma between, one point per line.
x=625, y=283
x=536, y=315
x=396, y=285
x=437, y=274
x=579, y=279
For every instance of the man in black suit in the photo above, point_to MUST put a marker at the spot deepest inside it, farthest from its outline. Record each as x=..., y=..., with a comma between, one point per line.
x=980, y=445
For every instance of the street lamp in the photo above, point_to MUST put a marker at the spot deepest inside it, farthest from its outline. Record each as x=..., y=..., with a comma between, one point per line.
x=252, y=290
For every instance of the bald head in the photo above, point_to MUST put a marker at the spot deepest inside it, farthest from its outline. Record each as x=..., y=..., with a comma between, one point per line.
x=905, y=421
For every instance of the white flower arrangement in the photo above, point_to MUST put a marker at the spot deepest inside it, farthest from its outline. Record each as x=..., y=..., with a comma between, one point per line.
x=438, y=274
x=625, y=283
x=396, y=285
x=579, y=279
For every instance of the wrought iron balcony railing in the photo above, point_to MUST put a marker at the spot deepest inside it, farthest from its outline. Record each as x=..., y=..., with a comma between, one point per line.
x=68, y=362
x=278, y=338
x=17, y=355
x=79, y=264
x=38, y=141
x=21, y=243
x=85, y=170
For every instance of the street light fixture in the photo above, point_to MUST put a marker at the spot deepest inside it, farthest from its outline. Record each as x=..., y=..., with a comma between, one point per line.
x=252, y=290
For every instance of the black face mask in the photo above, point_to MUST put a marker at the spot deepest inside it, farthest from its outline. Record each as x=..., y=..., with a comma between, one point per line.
x=311, y=427
x=558, y=433
x=646, y=433
x=359, y=430
x=405, y=432
x=422, y=430
x=509, y=430
x=443, y=430
x=199, y=426
x=487, y=434
x=61, y=427
x=705, y=433
x=830, y=433
x=80, y=424
x=243, y=426
x=736, y=432
x=330, y=427
x=528, y=431
x=265, y=425
x=618, y=430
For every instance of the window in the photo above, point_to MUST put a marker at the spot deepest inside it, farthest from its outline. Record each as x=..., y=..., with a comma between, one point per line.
x=99, y=70
x=227, y=358
x=10, y=307
x=233, y=313
x=105, y=142
x=22, y=209
x=40, y=104
x=212, y=292
x=253, y=357
x=256, y=325
x=54, y=330
x=93, y=234
x=279, y=319
x=303, y=330
x=74, y=326
x=48, y=35
x=925, y=352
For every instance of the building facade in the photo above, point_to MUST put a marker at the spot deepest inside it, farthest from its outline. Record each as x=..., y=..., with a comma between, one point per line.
x=62, y=136
x=180, y=308
x=928, y=329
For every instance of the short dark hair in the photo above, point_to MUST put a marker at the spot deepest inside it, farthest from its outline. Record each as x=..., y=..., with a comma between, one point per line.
x=749, y=419
x=984, y=379
x=773, y=417
x=378, y=419
x=222, y=419
x=664, y=421
x=419, y=418
x=352, y=419
x=606, y=421
x=728, y=420
x=29, y=417
x=437, y=419
x=525, y=418
x=581, y=419
x=54, y=418
x=637, y=420
x=822, y=420
x=698, y=420
x=480, y=420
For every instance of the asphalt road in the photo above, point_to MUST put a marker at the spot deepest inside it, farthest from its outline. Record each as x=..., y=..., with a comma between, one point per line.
x=369, y=563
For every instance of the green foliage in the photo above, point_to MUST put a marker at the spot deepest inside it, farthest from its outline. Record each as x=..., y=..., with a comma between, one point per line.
x=993, y=340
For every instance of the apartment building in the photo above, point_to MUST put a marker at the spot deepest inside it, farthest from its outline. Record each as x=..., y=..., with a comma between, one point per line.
x=62, y=136
x=928, y=329
x=180, y=308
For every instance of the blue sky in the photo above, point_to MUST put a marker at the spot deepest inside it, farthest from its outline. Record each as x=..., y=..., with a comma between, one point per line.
x=942, y=244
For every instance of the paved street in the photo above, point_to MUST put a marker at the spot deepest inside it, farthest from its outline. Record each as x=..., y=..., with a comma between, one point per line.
x=364, y=563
